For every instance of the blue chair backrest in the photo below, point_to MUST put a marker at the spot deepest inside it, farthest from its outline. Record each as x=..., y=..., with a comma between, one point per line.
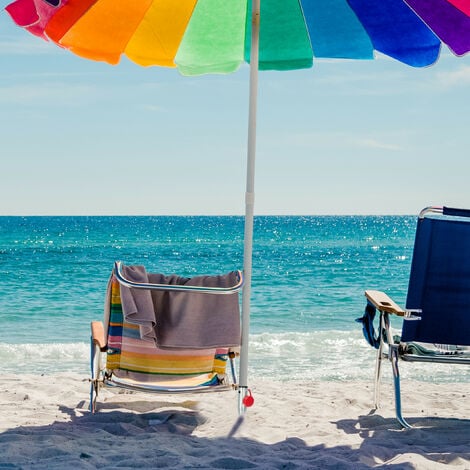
x=440, y=280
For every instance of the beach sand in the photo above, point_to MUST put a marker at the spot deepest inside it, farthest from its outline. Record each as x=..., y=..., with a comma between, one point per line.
x=45, y=424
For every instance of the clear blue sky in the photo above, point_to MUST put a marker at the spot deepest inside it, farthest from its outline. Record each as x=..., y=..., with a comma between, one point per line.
x=345, y=137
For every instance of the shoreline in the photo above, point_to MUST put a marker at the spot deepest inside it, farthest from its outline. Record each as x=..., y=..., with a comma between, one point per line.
x=46, y=424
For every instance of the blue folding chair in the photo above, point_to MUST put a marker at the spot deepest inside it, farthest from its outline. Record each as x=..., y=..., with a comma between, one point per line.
x=436, y=320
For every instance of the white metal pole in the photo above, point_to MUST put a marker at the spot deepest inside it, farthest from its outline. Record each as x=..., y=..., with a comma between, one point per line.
x=249, y=202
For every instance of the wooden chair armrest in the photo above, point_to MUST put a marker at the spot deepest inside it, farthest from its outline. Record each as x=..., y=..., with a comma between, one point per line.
x=383, y=302
x=97, y=334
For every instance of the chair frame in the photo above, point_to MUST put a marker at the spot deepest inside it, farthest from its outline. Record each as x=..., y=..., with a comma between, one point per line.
x=389, y=350
x=101, y=378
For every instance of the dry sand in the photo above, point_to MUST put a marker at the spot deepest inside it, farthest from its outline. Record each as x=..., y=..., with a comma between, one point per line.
x=45, y=424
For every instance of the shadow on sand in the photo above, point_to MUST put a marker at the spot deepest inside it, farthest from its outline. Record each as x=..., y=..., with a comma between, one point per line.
x=117, y=438
x=436, y=440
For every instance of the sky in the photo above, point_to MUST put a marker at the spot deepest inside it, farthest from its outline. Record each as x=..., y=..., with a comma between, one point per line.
x=344, y=137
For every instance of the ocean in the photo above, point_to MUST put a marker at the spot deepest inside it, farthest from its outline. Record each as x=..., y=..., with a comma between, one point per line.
x=309, y=277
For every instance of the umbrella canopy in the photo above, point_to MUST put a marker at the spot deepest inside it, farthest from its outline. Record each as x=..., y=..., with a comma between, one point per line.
x=217, y=36
x=214, y=36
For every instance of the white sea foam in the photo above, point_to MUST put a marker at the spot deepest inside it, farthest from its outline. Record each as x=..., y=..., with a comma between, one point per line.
x=44, y=358
x=315, y=355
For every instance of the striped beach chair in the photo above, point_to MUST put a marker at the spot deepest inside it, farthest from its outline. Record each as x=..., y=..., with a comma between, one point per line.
x=121, y=358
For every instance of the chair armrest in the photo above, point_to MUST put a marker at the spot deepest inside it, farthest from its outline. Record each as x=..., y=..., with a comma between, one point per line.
x=383, y=302
x=97, y=334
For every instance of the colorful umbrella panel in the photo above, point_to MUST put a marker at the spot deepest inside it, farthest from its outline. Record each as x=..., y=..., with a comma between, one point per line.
x=213, y=36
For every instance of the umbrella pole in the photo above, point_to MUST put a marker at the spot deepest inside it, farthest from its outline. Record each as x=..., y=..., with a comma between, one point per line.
x=249, y=205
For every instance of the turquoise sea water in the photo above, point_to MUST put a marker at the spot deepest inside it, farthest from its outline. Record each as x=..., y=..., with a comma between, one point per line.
x=309, y=278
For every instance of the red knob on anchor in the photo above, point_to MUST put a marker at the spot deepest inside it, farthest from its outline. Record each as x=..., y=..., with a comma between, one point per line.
x=248, y=399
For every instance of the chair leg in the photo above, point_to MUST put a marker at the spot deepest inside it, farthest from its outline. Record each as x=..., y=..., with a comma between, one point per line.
x=95, y=364
x=93, y=395
x=378, y=370
x=232, y=366
x=378, y=366
x=396, y=381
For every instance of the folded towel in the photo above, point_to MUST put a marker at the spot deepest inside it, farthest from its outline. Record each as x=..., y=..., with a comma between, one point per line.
x=187, y=320
x=137, y=304
x=427, y=349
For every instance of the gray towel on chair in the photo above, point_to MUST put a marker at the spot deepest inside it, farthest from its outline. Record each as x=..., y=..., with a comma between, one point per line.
x=137, y=305
x=183, y=320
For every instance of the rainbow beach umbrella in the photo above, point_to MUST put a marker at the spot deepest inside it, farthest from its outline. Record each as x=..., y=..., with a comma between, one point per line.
x=217, y=36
